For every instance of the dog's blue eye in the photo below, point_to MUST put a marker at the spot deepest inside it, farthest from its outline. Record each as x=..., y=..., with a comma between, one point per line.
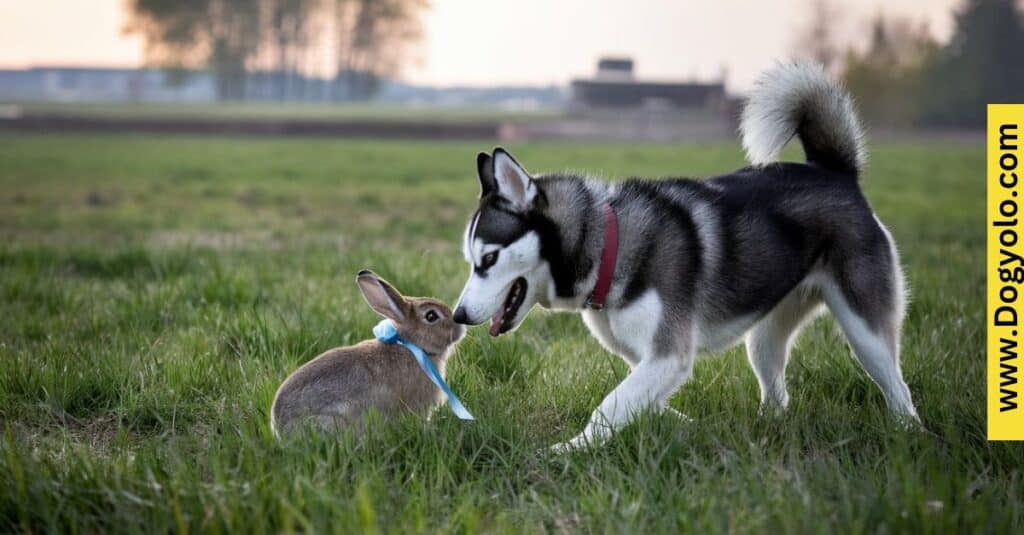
x=489, y=259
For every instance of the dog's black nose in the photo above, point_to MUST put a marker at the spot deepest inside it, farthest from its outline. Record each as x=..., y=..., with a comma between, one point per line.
x=460, y=316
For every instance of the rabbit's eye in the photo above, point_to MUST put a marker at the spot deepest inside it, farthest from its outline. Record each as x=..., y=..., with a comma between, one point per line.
x=431, y=316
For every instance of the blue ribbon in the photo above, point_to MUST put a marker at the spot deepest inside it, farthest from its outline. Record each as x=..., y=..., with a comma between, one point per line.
x=386, y=333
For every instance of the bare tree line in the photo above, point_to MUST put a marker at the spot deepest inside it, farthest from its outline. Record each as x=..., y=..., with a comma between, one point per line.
x=281, y=43
x=904, y=77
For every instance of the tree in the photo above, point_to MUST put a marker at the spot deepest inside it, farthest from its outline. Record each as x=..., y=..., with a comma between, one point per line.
x=286, y=40
x=906, y=78
x=290, y=31
x=817, y=40
x=981, y=64
x=219, y=34
x=887, y=79
x=373, y=36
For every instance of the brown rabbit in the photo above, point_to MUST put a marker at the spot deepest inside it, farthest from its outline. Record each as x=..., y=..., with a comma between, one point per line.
x=336, y=389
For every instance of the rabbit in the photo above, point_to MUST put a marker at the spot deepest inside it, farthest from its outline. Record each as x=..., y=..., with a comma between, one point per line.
x=335, y=390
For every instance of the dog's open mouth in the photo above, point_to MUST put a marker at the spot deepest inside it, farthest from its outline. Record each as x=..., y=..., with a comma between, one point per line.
x=503, y=318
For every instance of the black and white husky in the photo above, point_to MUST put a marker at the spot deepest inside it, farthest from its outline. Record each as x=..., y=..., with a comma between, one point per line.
x=701, y=264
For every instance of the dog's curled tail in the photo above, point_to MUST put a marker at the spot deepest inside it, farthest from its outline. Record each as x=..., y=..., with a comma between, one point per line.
x=801, y=99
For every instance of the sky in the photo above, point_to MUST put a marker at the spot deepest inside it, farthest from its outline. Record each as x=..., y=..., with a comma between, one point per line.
x=491, y=42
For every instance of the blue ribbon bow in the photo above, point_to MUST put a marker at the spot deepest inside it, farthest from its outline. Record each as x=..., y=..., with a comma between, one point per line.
x=386, y=333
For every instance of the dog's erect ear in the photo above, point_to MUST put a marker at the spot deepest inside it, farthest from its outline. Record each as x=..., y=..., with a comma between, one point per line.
x=514, y=183
x=485, y=170
x=383, y=298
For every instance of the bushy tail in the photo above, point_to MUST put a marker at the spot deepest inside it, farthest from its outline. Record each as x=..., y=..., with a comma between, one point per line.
x=801, y=99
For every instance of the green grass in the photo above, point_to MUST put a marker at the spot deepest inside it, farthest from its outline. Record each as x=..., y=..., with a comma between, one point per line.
x=279, y=111
x=155, y=291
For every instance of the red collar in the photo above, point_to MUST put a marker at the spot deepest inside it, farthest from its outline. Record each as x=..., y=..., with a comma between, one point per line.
x=608, y=256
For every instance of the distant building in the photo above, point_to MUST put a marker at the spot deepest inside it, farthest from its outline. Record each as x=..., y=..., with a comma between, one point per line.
x=106, y=84
x=614, y=104
x=90, y=84
x=614, y=87
x=102, y=84
x=614, y=69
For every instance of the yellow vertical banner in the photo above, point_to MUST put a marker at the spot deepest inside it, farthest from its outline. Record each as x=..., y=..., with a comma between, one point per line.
x=1005, y=271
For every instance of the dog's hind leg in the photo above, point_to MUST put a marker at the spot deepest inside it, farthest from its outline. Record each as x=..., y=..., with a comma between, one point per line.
x=768, y=343
x=866, y=296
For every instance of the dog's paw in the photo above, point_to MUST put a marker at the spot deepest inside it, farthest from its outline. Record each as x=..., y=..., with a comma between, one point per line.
x=909, y=422
x=773, y=408
x=561, y=448
x=684, y=418
x=577, y=443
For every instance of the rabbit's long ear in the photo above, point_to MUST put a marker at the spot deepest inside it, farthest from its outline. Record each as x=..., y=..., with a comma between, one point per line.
x=381, y=296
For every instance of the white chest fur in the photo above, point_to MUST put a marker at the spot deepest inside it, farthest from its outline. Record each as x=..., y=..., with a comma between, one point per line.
x=628, y=331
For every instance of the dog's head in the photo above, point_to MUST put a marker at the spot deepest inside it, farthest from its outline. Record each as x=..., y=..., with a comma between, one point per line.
x=503, y=247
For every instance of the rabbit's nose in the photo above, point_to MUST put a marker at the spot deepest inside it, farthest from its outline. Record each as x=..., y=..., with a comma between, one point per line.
x=460, y=315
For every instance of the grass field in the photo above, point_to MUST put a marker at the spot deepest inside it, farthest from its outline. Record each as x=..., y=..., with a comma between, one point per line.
x=155, y=291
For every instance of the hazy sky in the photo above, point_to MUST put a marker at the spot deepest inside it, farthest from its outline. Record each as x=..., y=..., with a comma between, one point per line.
x=486, y=42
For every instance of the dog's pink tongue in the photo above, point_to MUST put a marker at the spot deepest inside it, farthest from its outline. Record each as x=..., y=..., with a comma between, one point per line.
x=496, y=321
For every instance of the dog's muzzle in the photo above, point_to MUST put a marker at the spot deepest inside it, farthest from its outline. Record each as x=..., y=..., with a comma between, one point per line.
x=460, y=316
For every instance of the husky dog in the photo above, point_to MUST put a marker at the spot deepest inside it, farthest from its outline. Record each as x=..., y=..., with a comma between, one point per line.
x=702, y=264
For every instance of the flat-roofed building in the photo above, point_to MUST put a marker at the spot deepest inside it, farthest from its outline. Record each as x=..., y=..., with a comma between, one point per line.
x=615, y=86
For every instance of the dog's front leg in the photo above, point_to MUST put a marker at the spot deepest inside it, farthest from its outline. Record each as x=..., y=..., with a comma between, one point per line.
x=651, y=383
